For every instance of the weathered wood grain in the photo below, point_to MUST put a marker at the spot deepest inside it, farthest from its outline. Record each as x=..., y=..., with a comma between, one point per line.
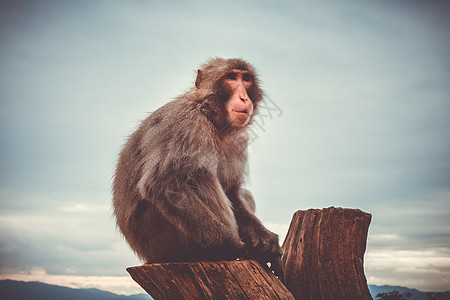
x=323, y=254
x=237, y=279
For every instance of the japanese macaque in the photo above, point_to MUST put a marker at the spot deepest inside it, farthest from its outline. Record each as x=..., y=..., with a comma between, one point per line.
x=178, y=192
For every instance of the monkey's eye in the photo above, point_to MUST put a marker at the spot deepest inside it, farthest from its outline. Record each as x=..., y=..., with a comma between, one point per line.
x=246, y=77
x=231, y=76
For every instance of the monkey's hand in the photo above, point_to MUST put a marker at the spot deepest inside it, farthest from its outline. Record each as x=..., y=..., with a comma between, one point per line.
x=257, y=237
x=263, y=246
x=274, y=259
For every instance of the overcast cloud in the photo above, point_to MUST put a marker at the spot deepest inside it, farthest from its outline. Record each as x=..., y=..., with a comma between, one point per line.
x=360, y=96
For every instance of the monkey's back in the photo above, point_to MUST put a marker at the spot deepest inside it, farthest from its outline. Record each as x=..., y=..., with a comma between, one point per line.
x=171, y=144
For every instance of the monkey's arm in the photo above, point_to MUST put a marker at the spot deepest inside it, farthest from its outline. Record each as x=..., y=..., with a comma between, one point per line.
x=263, y=244
x=251, y=229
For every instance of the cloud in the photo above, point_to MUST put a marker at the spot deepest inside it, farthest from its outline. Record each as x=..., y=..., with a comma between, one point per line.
x=76, y=237
x=122, y=285
x=427, y=270
x=384, y=237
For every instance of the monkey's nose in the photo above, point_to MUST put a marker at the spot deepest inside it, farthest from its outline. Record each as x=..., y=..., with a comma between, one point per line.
x=244, y=97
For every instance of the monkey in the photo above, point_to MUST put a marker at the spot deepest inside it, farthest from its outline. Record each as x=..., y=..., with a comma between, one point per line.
x=178, y=192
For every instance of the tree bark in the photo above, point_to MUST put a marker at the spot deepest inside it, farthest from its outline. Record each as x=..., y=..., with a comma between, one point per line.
x=244, y=279
x=323, y=254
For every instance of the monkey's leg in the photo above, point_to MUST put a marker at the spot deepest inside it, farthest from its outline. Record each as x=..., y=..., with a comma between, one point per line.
x=197, y=207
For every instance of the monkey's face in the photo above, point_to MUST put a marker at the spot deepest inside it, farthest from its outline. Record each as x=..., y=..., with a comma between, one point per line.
x=239, y=107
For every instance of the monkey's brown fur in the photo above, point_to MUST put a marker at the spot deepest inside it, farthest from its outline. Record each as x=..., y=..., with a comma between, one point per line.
x=178, y=192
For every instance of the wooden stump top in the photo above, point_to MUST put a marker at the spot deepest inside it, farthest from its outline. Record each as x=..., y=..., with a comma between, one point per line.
x=237, y=279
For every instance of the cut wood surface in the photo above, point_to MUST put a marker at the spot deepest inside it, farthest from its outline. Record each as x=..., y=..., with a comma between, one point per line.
x=237, y=279
x=323, y=254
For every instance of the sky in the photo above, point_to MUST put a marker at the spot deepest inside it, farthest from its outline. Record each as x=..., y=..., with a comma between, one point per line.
x=356, y=116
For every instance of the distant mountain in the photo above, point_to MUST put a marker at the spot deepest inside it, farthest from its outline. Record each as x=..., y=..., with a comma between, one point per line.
x=20, y=290
x=415, y=294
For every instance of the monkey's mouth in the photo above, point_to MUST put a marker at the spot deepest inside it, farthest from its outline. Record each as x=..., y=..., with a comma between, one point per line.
x=241, y=111
x=240, y=117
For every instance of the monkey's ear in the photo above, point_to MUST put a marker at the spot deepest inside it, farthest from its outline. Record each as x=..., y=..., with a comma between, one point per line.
x=198, y=80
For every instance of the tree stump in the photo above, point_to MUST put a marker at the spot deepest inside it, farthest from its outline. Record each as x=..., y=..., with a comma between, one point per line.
x=237, y=279
x=323, y=254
